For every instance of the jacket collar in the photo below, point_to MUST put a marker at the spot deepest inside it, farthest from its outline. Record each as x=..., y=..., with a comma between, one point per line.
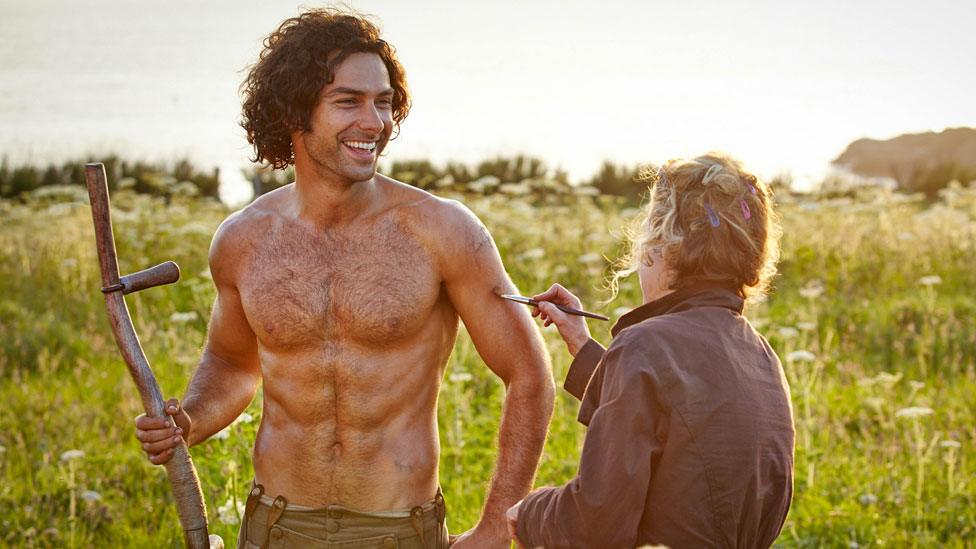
x=705, y=294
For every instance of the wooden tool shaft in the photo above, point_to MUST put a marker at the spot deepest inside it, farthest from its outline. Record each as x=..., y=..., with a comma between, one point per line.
x=182, y=475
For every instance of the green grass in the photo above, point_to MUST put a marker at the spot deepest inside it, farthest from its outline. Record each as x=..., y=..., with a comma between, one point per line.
x=877, y=342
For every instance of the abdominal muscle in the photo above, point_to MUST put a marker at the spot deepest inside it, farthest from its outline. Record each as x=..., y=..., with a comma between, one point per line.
x=351, y=425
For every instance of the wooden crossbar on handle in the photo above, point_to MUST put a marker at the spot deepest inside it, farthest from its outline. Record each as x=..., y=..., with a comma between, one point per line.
x=182, y=475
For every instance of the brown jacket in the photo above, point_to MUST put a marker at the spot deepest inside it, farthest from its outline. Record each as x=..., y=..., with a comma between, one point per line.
x=690, y=434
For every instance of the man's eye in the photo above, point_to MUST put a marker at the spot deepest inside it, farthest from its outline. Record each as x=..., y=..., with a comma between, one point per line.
x=348, y=101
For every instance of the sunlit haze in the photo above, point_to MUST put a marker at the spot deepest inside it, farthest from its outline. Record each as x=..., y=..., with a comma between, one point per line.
x=784, y=86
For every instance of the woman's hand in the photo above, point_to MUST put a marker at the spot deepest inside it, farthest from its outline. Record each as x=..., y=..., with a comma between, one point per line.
x=571, y=328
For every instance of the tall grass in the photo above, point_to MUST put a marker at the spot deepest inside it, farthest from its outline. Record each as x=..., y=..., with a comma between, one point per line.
x=873, y=314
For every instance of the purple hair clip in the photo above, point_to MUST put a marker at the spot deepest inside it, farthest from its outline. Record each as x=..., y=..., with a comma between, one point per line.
x=712, y=216
x=745, y=209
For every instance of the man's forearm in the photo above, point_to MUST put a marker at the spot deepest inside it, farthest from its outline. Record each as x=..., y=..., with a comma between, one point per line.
x=522, y=434
x=217, y=393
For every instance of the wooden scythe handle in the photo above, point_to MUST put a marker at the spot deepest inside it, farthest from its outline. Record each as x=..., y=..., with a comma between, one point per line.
x=182, y=475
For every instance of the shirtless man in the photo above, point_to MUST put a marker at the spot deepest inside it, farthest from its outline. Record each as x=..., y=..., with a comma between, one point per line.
x=341, y=293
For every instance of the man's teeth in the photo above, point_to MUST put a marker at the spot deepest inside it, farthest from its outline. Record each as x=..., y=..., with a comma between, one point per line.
x=364, y=145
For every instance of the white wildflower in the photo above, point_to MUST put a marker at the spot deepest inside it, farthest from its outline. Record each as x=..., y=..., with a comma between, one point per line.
x=244, y=418
x=930, y=280
x=807, y=326
x=801, y=356
x=914, y=412
x=586, y=190
x=534, y=253
x=875, y=403
x=916, y=385
x=950, y=444
x=183, y=317
x=787, y=332
x=460, y=377
x=72, y=454
x=590, y=258
x=621, y=311
x=812, y=290
x=868, y=499
x=514, y=188
x=222, y=434
x=230, y=512
x=91, y=495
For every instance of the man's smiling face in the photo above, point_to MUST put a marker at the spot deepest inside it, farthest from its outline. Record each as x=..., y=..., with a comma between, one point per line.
x=352, y=121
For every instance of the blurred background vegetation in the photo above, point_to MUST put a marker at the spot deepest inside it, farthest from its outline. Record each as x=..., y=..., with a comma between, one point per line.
x=872, y=313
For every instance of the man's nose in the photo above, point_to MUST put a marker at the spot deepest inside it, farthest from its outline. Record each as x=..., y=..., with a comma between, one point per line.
x=371, y=119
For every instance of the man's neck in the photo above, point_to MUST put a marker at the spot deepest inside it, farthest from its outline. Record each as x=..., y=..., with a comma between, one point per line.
x=328, y=201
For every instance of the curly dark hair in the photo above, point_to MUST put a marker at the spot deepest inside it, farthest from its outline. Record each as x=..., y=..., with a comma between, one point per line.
x=299, y=59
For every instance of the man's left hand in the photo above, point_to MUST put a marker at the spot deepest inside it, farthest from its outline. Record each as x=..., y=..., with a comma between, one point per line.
x=481, y=537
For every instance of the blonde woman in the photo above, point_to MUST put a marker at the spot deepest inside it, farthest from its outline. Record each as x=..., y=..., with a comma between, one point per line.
x=690, y=426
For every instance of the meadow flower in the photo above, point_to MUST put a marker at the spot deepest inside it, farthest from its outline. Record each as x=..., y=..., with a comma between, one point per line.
x=460, y=377
x=914, y=412
x=244, y=418
x=868, y=499
x=950, y=444
x=586, y=190
x=590, y=258
x=222, y=434
x=91, y=495
x=807, y=326
x=875, y=403
x=533, y=253
x=787, y=332
x=72, y=454
x=916, y=385
x=230, y=512
x=183, y=317
x=812, y=290
x=930, y=280
x=801, y=356
x=514, y=188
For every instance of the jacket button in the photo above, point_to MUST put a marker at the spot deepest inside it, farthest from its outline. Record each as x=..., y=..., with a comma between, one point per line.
x=276, y=533
x=332, y=526
x=389, y=543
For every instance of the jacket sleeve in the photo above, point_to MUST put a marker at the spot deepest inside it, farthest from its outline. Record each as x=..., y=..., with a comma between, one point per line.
x=603, y=505
x=581, y=370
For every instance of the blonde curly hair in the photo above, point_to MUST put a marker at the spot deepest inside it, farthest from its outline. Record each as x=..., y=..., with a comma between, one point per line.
x=712, y=220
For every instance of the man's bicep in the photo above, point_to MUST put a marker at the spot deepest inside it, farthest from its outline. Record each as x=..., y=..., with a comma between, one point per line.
x=502, y=331
x=229, y=336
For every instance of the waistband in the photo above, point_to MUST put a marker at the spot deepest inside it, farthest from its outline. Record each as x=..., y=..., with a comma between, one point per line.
x=271, y=518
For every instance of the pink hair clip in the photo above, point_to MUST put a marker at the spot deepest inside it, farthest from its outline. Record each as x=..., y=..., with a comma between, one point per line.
x=745, y=209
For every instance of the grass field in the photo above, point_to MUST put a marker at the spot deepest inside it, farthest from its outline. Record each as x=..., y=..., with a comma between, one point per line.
x=873, y=314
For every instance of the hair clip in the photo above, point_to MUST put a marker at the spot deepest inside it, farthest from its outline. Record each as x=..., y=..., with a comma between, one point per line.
x=745, y=209
x=712, y=216
x=712, y=172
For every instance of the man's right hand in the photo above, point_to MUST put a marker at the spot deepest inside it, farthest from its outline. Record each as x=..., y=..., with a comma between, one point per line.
x=160, y=435
x=572, y=328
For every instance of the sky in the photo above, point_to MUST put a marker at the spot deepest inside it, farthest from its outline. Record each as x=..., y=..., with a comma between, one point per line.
x=785, y=86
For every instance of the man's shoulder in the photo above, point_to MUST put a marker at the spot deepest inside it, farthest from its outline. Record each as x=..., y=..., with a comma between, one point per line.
x=239, y=230
x=444, y=217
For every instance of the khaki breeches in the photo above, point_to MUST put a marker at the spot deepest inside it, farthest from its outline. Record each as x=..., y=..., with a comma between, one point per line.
x=275, y=523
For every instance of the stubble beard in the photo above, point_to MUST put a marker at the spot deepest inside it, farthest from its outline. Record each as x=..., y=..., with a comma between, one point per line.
x=339, y=166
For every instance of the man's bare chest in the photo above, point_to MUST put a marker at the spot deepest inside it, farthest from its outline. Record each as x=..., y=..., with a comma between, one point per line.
x=375, y=288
